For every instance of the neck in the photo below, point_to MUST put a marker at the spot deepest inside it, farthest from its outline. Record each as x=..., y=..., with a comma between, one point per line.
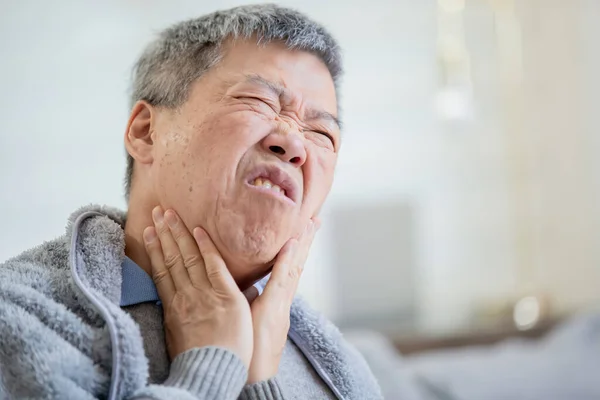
x=139, y=217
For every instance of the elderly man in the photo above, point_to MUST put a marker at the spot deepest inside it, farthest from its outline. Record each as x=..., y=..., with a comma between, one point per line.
x=232, y=143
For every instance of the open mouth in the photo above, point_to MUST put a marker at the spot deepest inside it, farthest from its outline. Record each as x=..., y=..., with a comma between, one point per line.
x=275, y=181
x=267, y=184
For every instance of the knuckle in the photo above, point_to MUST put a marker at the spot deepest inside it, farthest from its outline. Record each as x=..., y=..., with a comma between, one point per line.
x=163, y=229
x=191, y=260
x=172, y=259
x=279, y=284
x=213, y=273
x=295, y=272
x=159, y=276
x=178, y=232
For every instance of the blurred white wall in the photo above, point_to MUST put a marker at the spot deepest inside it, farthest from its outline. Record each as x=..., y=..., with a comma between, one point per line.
x=63, y=108
x=556, y=149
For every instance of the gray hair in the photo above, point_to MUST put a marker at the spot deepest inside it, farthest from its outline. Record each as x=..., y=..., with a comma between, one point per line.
x=167, y=68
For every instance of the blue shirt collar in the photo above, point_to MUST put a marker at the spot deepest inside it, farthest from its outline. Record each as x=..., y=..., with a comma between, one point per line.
x=136, y=286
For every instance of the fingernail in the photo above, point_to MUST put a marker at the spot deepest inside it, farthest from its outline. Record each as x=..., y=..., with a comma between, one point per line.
x=157, y=215
x=171, y=219
x=149, y=235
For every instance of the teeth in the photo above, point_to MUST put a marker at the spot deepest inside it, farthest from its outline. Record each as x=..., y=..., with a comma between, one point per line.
x=267, y=184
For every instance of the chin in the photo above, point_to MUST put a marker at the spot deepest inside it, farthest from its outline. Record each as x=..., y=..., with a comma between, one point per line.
x=249, y=268
x=250, y=253
x=257, y=247
x=250, y=239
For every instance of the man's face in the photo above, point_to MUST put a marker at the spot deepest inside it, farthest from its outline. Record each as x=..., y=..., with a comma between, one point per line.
x=250, y=156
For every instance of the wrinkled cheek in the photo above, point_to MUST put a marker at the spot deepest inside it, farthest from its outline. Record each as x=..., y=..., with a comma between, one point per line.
x=172, y=181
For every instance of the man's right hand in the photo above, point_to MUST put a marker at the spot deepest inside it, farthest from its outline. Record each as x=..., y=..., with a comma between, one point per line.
x=202, y=304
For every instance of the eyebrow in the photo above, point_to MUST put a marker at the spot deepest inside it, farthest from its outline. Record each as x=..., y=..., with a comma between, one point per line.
x=280, y=90
x=275, y=87
x=313, y=114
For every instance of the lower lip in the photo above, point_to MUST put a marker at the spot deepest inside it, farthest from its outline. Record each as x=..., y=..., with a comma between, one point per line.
x=270, y=192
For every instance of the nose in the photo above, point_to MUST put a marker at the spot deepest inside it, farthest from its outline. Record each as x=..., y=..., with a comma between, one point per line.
x=287, y=146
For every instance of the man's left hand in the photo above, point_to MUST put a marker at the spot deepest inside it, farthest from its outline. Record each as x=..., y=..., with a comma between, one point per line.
x=271, y=310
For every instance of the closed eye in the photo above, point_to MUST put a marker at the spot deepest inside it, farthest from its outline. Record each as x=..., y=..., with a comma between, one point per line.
x=263, y=101
x=326, y=135
x=256, y=98
x=326, y=139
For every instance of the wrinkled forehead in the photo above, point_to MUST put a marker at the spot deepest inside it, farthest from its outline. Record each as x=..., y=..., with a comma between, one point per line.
x=296, y=74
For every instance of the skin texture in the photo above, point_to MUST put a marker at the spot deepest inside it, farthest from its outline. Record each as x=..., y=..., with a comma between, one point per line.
x=259, y=106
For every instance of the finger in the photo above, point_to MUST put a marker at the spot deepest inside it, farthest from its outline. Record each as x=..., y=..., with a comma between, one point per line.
x=172, y=256
x=191, y=257
x=285, y=275
x=160, y=273
x=216, y=270
x=289, y=266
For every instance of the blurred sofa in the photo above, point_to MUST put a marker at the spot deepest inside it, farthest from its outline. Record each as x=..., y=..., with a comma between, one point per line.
x=562, y=365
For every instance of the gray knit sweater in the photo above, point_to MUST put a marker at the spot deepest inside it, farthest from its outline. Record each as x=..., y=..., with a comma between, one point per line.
x=64, y=336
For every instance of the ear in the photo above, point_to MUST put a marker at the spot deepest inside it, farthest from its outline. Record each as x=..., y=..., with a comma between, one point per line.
x=139, y=133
